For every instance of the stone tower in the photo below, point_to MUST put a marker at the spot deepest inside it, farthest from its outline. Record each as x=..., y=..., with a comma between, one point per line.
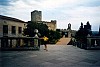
x=69, y=30
x=69, y=27
x=36, y=15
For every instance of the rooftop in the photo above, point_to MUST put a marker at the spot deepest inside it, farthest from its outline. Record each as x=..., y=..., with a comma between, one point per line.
x=10, y=18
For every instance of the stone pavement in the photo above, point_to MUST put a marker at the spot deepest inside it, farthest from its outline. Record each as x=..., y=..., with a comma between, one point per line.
x=56, y=56
x=63, y=41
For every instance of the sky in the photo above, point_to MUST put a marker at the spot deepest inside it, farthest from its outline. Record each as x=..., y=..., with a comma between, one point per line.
x=64, y=11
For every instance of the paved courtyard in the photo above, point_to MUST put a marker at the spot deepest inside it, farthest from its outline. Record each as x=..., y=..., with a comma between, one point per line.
x=56, y=56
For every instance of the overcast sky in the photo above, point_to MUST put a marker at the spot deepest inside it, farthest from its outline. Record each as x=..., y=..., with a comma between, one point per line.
x=64, y=11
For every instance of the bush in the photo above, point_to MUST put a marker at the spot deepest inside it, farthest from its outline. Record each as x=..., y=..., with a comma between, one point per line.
x=53, y=36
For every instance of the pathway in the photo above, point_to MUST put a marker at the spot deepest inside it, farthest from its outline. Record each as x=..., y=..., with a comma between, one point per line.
x=63, y=41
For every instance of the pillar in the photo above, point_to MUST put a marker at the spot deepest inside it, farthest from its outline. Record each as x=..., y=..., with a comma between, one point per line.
x=10, y=43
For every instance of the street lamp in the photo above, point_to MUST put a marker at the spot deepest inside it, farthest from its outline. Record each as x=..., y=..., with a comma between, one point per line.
x=36, y=39
x=36, y=33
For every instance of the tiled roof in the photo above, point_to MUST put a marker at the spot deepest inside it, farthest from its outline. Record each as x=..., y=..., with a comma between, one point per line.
x=10, y=18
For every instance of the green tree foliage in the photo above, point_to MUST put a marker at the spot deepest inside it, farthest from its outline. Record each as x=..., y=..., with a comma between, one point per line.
x=54, y=36
x=42, y=28
x=82, y=33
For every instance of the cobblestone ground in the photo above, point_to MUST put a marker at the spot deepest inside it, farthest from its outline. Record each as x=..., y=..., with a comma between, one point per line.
x=56, y=56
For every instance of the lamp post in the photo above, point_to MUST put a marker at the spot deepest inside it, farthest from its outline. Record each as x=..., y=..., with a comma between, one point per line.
x=36, y=39
x=36, y=32
x=95, y=43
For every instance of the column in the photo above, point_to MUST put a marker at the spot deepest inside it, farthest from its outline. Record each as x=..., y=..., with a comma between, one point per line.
x=89, y=42
x=10, y=43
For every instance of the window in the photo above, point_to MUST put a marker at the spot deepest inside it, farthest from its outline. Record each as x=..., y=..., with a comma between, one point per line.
x=13, y=30
x=19, y=30
x=5, y=29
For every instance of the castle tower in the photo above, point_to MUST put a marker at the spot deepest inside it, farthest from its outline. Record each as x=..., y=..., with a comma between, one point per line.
x=69, y=27
x=36, y=15
x=69, y=30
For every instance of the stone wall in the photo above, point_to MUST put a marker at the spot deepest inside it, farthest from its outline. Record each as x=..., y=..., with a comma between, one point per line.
x=51, y=25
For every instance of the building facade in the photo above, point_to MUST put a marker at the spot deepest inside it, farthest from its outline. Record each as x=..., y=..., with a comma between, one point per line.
x=11, y=27
x=51, y=25
x=68, y=32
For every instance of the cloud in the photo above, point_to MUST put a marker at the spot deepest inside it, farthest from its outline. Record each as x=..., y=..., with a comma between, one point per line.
x=64, y=11
x=4, y=2
x=89, y=3
x=83, y=14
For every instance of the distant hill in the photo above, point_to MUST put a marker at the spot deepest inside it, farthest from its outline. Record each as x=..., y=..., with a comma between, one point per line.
x=95, y=33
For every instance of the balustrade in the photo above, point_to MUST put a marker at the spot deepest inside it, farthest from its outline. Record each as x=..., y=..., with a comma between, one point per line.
x=19, y=42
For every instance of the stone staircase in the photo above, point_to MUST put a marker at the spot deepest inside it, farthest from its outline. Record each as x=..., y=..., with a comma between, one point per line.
x=63, y=41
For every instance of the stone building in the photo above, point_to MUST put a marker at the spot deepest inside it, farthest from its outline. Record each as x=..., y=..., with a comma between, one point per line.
x=51, y=25
x=37, y=17
x=68, y=32
x=11, y=27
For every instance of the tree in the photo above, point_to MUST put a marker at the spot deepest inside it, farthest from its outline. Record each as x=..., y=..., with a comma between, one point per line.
x=42, y=28
x=54, y=36
x=81, y=34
